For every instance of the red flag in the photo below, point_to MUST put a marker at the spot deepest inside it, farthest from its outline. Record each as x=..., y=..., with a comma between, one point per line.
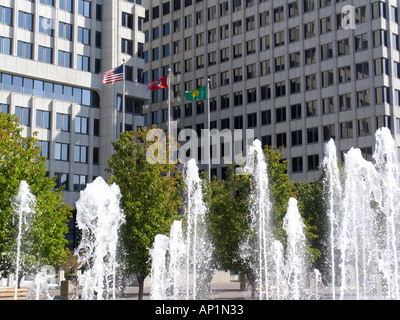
x=159, y=84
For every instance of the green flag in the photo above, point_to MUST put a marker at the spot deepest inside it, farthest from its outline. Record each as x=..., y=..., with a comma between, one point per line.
x=198, y=94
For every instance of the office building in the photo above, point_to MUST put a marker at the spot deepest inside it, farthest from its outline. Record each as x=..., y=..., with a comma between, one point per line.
x=52, y=54
x=298, y=72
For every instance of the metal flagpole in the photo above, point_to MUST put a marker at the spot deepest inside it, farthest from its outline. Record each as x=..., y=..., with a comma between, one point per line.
x=169, y=118
x=169, y=103
x=209, y=129
x=123, y=96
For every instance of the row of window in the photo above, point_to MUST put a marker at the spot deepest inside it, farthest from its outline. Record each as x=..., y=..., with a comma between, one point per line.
x=378, y=9
x=44, y=89
x=63, y=121
x=79, y=181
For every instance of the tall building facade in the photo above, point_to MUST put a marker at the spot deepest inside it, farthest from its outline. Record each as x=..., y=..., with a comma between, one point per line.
x=52, y=54
x=298, y=72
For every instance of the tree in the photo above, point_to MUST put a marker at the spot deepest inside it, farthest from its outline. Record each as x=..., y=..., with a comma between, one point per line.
x=19, y=160
x=228, y=218
x=150, y=197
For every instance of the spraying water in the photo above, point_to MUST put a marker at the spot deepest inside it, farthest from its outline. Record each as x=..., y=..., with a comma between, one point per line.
x=39, y=289
x=159, y=276
x=333, y=198
x=198, y=246
x=99, y=217
x=295, y=252
x=189, y=251
x=256, y=248
x=23, y=208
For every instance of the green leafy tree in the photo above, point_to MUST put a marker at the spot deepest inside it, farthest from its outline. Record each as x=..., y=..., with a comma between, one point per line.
x=228, y=218
x=19, y=160
x=150, y=197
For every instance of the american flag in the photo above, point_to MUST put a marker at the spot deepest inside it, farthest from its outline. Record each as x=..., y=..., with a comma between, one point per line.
x=113, y=75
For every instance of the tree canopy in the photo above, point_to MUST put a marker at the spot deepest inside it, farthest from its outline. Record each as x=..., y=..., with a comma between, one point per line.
x=150, y=197
x=20, y=160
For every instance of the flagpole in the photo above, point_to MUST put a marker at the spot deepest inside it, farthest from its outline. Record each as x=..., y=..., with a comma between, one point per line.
x=169, y=118
x=209, y=129
x=123, y=96
x=169, y=104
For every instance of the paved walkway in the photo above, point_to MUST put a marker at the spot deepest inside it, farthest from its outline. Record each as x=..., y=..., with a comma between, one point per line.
x=220, y=291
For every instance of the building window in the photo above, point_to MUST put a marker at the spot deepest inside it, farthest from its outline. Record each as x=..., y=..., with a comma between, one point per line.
x=361, y=42
x=61, y=180
x=5, y=45
x=382, y=66
x=345, y=102
x=279, y=38
x=297, y=138
x=280, y=89
x=346, y=130
x=6, y=15
x=84, y=8
x=64, y=59
x=380, y=38
x=281, y=140
x=327, y=78
x=280, y=114
x=44, y=148
x=382, y=95
x=25, y=20
x=80, y=181
x=344, y=74
x=295, y=111
x=266, y=117
x=362, y=70
x=280, y=63
x=81, y=125
x=43, y=119
x=309, y=30
x=378, y=10
x=23, y=115
x=325, y=25
x=312, y=108
x=363, y=98
x=310, y=56
x=329, y=132
x=84, y=35
x=297, y=164
x=45, y=54
x=24, y=50
x=80, y=154
x=127, y=47
x=313, y=162
x=65, y=30
x=311, y=82
x=252, y=120
x=312, y=135
x=45, y=26
x=364, y=127
x=328, y=105
x=83, y=63
x=62, y=122
x=61, y=151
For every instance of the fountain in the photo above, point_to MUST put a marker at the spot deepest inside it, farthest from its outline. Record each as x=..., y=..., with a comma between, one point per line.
x=23, y=208
x=364, y=220
x=333, y=199
x=189, y=252
x=295, y=253
x=39, y=289
x=99, y=217
x=159, y=278
x=256, y=248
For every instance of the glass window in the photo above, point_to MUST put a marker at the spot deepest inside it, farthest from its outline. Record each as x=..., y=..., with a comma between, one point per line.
x=48, y=90
x=77, y=95
x=6, y=80
x=28, y=86
x=38, y=88
x=17, y=84
x=68, y=93
x=58, y=90
x=86, y=94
